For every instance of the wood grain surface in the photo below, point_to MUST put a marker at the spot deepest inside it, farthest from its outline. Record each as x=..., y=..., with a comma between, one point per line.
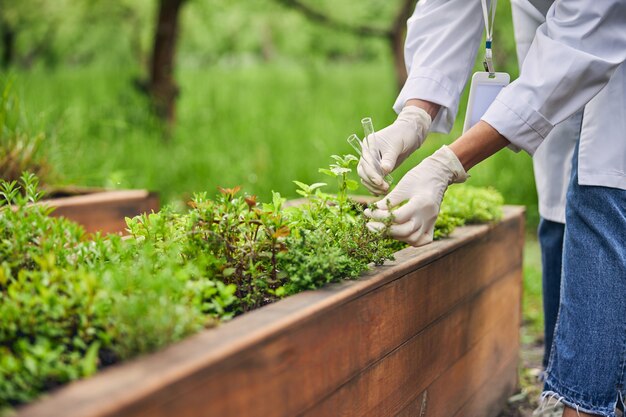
x=104, y=211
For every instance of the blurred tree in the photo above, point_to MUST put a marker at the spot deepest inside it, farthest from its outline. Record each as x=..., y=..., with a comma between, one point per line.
x=394, y=34
x=101, y=33
x=121, y=31
x=396, y=38
x=17, y=17
x=8, y=44
x=162, y=85
x=8, y=32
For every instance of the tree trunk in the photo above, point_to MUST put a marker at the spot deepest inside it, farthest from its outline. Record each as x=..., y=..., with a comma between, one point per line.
x=162, y=86
x=396, y=39
x=396, y=46
x=8, y=46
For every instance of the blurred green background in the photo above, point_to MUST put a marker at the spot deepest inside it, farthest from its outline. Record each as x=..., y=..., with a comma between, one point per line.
x=267, y=94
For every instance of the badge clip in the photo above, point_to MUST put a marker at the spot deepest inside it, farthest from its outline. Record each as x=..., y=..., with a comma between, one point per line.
x=488, y=62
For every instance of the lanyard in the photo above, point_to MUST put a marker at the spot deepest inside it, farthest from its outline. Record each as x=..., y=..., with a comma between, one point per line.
x=488, y=63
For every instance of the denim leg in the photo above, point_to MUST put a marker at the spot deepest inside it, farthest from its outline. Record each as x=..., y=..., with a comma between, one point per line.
x=551, y=241
x=588, y=359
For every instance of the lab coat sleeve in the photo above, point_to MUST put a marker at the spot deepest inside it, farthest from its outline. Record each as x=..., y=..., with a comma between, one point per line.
x=571, y=59
x=440, y=50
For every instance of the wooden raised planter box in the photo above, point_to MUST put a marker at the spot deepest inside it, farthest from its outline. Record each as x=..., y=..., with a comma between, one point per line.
x=434, y=333
x=103, y=210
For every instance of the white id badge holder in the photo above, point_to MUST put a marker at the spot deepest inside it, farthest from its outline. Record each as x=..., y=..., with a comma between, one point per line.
x=485, y=85
x=483, y=91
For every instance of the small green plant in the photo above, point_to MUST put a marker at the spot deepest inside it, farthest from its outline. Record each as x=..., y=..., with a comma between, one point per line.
x=340, y=170
x=464, y=204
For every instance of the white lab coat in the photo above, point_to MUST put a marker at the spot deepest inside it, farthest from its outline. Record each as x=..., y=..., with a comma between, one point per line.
x=552, y=160
x=574, y=55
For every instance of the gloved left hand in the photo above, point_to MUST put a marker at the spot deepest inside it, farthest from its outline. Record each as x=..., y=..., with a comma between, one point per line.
x=422, y=188
x=392, y=146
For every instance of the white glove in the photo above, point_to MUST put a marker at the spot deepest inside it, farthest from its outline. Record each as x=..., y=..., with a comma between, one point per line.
x=391, y=146
x=423, y=187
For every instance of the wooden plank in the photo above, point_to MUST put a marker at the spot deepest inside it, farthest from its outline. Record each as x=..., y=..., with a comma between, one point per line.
x=70, y=191
x=284, y=358
x=488, y=362
x=488, y=402
x=105, y=211
x=99, y=197
x=387, y=386
x=316, y=360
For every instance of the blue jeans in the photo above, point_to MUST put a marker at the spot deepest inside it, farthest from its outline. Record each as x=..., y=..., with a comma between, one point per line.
x=587, y=366
x=551, y=240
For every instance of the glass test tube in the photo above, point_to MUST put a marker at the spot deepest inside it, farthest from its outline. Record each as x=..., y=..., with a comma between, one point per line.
x=370, y=134
x=356, y=144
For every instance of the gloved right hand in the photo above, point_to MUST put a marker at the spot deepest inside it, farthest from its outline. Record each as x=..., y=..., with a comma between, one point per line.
x=422, y=189
x=391, y=146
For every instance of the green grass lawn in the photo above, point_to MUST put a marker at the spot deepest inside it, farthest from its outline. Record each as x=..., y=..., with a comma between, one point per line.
x=259, y=127
x=532, y=304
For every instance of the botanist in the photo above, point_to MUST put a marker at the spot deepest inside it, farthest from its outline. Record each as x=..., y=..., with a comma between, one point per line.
x=576, y=61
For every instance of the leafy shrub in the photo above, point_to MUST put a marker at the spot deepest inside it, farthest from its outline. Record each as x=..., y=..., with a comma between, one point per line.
x=464, y=204
x=49, y=327
x=72, y=303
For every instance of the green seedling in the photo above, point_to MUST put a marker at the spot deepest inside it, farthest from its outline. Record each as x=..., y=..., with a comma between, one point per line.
x=340, y=170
